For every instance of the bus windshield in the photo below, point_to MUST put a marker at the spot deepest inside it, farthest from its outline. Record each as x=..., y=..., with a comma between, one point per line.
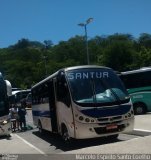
x=97, y=86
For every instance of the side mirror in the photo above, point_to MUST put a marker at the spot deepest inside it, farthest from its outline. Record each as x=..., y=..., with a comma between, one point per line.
x=9, y=88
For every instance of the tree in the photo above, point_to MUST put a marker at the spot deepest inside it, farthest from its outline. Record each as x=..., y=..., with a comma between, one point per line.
x=23, y=62
x=48, y=44
x=23, y=43
x=118, y=55
x=145, y=40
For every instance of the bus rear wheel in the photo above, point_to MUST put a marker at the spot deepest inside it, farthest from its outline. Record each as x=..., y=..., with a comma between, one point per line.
x=40, y=128
x=139, y=108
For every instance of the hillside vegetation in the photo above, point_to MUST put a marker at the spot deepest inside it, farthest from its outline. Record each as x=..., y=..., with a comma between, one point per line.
x=28, y=62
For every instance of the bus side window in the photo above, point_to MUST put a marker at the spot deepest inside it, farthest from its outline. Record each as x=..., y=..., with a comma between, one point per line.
x=63, y=91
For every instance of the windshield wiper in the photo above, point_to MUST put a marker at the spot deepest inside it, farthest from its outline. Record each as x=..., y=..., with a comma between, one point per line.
x=112, y=91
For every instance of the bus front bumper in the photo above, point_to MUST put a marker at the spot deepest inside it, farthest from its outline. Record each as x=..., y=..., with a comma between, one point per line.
x=91, y=130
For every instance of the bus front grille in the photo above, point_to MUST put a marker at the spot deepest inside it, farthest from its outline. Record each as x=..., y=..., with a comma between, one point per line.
x=109, y=119
x=106, y=123
x=103, y=130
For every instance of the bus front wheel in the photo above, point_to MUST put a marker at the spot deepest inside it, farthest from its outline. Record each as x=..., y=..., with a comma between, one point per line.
x=139, y=108
x=113, y=137
x=65, y=134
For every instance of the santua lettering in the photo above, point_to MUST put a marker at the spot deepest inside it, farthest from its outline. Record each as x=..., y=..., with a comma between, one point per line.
x=88, y=75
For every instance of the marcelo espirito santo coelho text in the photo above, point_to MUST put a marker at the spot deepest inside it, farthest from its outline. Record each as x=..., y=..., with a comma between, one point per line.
x=113, y=156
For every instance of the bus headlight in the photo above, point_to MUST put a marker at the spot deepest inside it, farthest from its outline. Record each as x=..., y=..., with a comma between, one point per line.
x=132, y=112
x=87, y=120
x=81, y=118
x=129, y=114
x=92, y=120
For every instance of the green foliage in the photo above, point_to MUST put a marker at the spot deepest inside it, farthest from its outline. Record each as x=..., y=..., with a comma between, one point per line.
x=27, y=62
x=145, y=40
x=118, y=55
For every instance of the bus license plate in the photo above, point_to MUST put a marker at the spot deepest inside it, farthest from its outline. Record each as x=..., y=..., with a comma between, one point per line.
x=112, y=126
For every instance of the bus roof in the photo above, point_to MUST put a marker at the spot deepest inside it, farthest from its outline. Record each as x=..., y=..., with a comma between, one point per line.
x=16, y=89
x=68, y=69
x=137, y=71
x=85, y=66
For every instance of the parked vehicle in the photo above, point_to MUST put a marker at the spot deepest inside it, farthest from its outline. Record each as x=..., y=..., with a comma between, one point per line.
x=19, y=96
x=5, y=93
x=28, y=100
x=138, y=84
x=82, y=102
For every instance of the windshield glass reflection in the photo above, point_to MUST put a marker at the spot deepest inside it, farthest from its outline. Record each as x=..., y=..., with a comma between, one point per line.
x=96, y=86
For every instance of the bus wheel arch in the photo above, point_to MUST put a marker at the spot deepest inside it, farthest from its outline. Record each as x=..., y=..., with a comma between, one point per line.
x=139, y=108
x=65, y=133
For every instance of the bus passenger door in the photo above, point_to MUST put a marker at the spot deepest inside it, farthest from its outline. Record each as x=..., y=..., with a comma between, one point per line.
x=64, y=107
x=52, y=102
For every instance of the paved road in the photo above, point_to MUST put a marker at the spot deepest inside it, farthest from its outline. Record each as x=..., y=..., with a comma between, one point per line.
x=143, y=124
x=30, y=142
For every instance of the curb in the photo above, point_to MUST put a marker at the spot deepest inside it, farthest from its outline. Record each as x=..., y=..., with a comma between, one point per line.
x=140, y=132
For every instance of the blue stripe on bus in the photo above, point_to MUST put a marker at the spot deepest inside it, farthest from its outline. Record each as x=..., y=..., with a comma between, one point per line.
x=42, y=113
x=95, y=112
x=105, y=112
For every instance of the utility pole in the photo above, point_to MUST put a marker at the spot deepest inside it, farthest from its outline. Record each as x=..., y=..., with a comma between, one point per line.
x=86, y=37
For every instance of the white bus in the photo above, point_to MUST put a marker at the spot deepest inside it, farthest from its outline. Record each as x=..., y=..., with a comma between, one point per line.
x=82, y=102
x=19, y=96
x=5, y=92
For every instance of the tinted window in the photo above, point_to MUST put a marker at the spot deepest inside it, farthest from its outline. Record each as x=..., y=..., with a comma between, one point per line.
x=136, y=80
x=40, y=94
